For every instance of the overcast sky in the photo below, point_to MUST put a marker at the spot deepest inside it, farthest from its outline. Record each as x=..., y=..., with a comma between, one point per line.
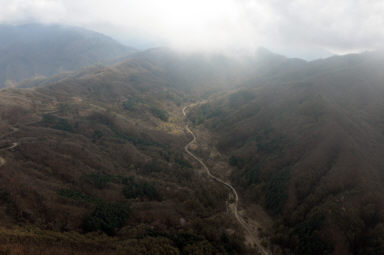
x=299, y=28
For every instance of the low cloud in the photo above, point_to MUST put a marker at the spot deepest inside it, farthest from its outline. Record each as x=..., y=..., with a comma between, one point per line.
x=301, y=28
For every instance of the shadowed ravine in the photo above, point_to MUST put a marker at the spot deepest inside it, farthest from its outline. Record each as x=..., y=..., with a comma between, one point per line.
x=234, y=206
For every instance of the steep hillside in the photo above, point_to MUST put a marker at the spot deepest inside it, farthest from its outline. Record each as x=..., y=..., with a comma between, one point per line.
x=307, y=145
x=94, y=161
x=32, y=51
x=102, y=152
x=196, y=71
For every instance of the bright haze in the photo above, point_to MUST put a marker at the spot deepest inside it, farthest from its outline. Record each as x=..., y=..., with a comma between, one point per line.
x=297, y=28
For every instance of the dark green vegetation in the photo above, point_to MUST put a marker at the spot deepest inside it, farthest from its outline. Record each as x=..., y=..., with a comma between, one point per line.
x=55, y=122
x=310, y=242
x=131, y=104
x=276, y=193
x=161, y=114
x=107, y=217
x=100, y=181
x=143, y=189
x=76, y=196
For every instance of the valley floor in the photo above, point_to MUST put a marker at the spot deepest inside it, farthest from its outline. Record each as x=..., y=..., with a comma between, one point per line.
x=251, y=226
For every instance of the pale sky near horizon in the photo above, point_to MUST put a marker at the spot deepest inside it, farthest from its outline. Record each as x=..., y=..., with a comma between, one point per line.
x=296, y=28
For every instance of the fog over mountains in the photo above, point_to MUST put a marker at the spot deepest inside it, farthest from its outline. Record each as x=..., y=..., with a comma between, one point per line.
x=93, y=156
x=33, y=50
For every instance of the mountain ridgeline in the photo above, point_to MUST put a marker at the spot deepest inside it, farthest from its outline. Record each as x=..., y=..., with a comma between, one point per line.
x=307, y=145
x=37, y=51
x=93, y=161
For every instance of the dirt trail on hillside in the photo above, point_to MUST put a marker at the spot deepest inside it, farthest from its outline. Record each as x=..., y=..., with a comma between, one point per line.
x=251, y=236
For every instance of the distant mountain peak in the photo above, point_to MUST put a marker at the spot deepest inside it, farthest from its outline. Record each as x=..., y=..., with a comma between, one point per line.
x=34, y=49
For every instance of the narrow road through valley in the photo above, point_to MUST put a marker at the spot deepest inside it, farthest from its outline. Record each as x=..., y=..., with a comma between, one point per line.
x=234, y=206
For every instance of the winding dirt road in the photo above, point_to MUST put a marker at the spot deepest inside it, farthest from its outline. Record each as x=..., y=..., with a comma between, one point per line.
x=234, y=206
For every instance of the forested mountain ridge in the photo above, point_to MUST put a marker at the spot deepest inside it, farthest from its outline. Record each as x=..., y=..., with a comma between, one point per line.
x=35, y=51
x=307, y=145
x=99, y=168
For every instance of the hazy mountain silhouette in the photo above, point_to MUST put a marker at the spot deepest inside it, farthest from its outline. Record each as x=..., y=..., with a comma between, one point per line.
x=34, y=50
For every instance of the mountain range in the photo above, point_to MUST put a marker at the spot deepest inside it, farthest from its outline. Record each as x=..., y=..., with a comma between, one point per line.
x=94, y=160
x=36, y=51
